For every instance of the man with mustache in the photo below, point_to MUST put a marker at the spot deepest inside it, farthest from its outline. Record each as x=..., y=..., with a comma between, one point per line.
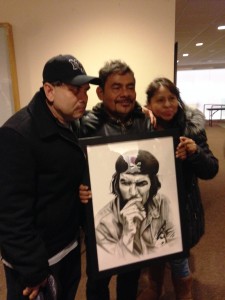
x=117, y=113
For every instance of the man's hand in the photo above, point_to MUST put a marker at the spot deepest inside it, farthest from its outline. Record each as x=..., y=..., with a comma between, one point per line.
x=149, y=114
x=84, y=193
x=32, y=292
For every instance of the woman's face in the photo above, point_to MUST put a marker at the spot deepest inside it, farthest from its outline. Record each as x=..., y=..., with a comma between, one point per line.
x=164, y=104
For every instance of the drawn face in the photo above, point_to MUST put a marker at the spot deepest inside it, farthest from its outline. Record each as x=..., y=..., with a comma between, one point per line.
x=164, y=104
x=118, y=95
x=134, y=186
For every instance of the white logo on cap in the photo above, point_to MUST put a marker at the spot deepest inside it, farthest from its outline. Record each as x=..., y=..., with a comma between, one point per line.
x=76, y=65
x=133, y=167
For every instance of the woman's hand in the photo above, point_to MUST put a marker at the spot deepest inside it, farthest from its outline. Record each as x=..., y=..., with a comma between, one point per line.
x=185, y=147
x=84, y=193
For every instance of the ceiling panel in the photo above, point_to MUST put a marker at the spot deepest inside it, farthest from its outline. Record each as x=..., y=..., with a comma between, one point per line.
x=197, y=21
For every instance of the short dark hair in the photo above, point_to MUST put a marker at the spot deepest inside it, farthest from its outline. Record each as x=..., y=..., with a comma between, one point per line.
x=111, y=67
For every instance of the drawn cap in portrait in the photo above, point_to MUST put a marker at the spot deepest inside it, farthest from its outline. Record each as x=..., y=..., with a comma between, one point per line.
x=67, y=69
x=140, y=161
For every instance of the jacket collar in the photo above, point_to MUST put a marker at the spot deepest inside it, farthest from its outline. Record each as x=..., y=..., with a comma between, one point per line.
x=99, y=109
x=195, y=121
x=45, y=122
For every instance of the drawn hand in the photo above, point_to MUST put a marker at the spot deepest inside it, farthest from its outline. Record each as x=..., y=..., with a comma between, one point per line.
x=132, y=213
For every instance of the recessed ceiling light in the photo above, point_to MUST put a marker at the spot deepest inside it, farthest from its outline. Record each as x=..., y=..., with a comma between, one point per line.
x=198, y=44
x=221, y=27
x=185, y=54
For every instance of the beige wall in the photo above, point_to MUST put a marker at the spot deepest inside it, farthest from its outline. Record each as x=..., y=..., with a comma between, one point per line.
x=140, y=32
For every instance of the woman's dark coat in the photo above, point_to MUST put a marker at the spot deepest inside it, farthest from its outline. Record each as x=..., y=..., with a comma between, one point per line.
x=203, y=165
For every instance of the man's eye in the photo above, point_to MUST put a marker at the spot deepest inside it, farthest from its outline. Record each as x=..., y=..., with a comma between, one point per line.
x=126, y=183
x=116, y=87
x=141, y=183
x=74, y=90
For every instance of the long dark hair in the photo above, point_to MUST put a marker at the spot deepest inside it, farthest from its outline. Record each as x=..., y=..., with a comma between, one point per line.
x=179, y=119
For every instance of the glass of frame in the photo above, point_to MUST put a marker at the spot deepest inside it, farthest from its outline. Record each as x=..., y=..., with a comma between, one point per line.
x=9, y=95
x=135, y=215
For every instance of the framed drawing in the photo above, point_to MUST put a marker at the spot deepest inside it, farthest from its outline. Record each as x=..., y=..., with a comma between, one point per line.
x=9, y=95
x=136, y=210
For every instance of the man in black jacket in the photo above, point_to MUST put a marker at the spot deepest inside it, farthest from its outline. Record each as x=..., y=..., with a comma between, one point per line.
x=118, y=113
x=41, y=169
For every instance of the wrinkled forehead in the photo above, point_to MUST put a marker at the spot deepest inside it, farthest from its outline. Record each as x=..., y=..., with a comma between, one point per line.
x=133, y=177
x=120, y=78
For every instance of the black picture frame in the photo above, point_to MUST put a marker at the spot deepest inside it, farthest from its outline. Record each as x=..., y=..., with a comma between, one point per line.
x=102, y=153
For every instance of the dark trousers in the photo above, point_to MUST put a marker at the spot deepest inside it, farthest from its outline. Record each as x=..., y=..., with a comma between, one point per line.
x=67, y=274
x=98, y=289
x=126, y=287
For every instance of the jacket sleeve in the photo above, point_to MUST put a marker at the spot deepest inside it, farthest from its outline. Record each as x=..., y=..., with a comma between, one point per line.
x=20, y=244
x=204, y=163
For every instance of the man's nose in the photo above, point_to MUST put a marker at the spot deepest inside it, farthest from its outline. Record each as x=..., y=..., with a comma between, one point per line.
x=124, y=92
x=83, y=96
x=133, y=189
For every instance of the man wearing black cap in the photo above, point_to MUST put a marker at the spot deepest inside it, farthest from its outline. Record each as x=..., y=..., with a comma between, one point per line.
x=41, y=169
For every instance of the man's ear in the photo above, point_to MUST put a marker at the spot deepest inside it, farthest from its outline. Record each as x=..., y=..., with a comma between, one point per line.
x=99, y=92
x=49, y=91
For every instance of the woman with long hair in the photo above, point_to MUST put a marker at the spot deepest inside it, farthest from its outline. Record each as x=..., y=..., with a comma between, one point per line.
x=198, y=161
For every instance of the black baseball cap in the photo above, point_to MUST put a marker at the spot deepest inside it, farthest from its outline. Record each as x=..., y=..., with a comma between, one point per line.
x=67, y=69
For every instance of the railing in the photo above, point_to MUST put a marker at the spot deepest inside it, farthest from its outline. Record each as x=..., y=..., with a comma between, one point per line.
x=212, y=109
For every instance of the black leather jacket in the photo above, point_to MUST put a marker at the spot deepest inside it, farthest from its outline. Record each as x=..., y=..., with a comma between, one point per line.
x=98, y=123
